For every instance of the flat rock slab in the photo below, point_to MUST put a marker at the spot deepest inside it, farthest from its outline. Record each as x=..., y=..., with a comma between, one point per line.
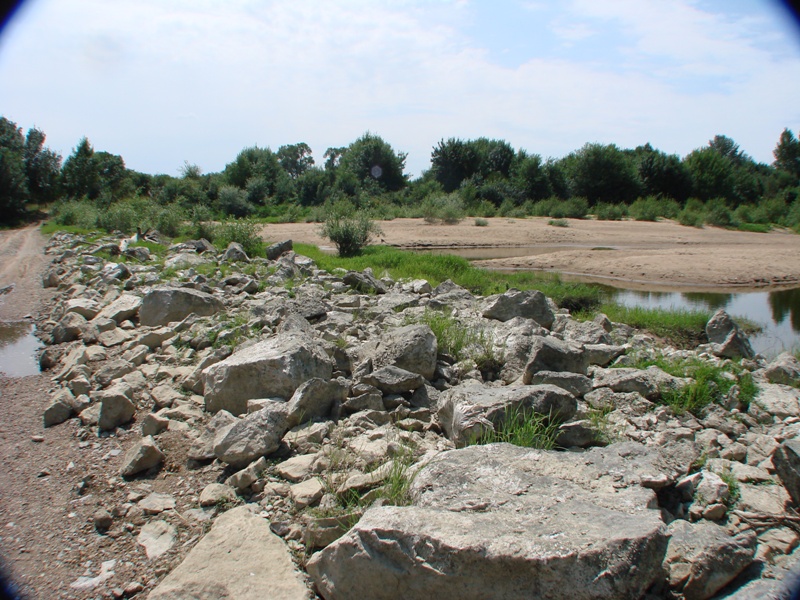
x=239, y=558
x=167, y=304
x=500, y=521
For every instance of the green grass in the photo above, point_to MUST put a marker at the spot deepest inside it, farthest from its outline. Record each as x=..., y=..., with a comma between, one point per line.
x=754, y=227
x=452, y=337
x=436, y=268
x=683, y=328
x=558, y=222
x=523, y=427
x=52, y=227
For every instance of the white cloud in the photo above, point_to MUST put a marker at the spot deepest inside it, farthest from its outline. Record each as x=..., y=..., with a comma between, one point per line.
x=198, y=81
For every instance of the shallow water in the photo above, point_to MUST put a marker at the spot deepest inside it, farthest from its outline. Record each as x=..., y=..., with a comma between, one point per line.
x=777, y=312
x=18, y=347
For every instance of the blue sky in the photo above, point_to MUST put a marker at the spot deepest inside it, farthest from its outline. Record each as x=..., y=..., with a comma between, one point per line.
x=162, y=82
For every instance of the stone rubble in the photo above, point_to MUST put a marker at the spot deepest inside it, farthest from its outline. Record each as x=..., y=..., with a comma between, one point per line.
x=319, y=401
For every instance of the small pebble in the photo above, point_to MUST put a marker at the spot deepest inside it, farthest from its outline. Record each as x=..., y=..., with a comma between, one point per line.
x=37, y=438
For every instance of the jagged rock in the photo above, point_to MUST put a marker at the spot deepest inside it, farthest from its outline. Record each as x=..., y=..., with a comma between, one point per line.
x=786, y=459
x=182, y=260
x=702, y=558
x=575, y=384
x=122, y=309
x=61, y=408
x=726, y=338
x=530, y=304
x=784, y=369
x=157, y=537
x=646, y=382
x=239, y=558
x=470, y=533
x=307, y=493
x=276, y=250
x=468, y=411
x=552, y=354
x=51, y=278
x=514, y=338
x=154, y=424
x=116, y=407
x=314, y=399
x=257, y=434
x=167, y=304
x=602, y=354
x=69, y=328
x=448, y=295
x=203, y=447
x=365, y=282
x=113, y=370
x=244, y=478
x=144, y=455
x=165, y=396
x=583, y=332
x=156, y=503
x=578, y=434
x=273, y=368
x=394, y=380
x=777, y=401
x=85, y=307
x=235, y=253
x=412, y=348
x=217, y=493
x=296, y=468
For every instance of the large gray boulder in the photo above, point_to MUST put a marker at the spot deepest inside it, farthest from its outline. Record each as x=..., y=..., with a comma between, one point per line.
x=239, y=558
x=784, y=369
x=256, y=435
x=648, y=382
x=123, y=308
x=468, y=411
x=726, y=338
x=394, y=380
x=530, y=304
x=786, y=459
x=702, y=558
x=412, y=348
x=116, y=405
x=273, y=368
x=167, y=304
x=500, y=521
x=315, y=399
x=552, y=354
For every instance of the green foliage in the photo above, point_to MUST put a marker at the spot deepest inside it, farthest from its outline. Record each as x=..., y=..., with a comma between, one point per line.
x=663, y=175
x=452, y=337
x=349, y=229
x=373, y=165
x=78, y=213
x=734, y=490
x=481, y=222
x=443, y=208
x=712, y=174
x=243, y=231
x=234, y=201
x=680, y=327
x=651, y=208
x=603, y=173
x=295, y=159
x=718, y=214
x=436, y=268
x=605, y=211
x=787, y=154
x=523, y=427
x=558, y=222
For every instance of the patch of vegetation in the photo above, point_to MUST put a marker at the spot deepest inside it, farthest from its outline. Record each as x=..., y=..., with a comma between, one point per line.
x=605, y=211
x=481, y=222
x=453, y=338
x=436, y=268
x=734, y=490
x=523, y=427
x=243, y=231
x=445, y=208
x=349, y=229
x=558, y=222
x=682, y=328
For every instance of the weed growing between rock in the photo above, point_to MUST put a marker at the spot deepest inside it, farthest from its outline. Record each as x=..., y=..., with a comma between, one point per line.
x=523, y=427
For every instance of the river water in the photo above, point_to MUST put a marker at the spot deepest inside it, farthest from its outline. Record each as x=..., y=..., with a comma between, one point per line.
x=18, y=348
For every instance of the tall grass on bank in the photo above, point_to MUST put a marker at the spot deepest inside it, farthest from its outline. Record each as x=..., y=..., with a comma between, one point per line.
x=436, y=268
x=684, y=328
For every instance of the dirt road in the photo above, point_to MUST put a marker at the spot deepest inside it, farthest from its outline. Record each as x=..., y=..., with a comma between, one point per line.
x=21, y=262
x=659, y=254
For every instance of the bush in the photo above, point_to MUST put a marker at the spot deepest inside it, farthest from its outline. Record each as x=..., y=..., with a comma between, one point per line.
x=242, y=231
x=691, y=218
x=575, y=208
x=447, y=209
x=120, y=216
x=169, y=220
x=349, y=229
x=480, y=222
x=718, y=214
x=650, y=208
x=558, y=222
x=79, y=213
x=484, y=209
x=610, y=212
x=233, y=201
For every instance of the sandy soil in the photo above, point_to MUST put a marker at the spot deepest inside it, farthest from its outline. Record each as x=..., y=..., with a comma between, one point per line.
x=657, y=255
x=21, y=262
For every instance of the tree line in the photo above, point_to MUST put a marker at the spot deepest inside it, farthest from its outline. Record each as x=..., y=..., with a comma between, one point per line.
x=483, y=177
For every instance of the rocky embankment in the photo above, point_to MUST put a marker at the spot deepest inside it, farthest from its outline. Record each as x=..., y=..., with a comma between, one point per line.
x=327, y=442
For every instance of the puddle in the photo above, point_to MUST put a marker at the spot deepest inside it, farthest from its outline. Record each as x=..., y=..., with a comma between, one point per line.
x=18, y=347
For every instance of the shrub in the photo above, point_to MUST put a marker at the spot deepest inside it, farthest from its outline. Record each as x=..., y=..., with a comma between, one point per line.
x=349, y=229
x=558, y=222
x=169, y=220
x=479, y=222
x=575, y=208
x=718, y=214
x=79, y=213
x=610, y=212
x=484, y=208
x=646, y=209
x=233, y=201
x=443, y=208
x=691, y=218
x=241, y=231
x=120, y=216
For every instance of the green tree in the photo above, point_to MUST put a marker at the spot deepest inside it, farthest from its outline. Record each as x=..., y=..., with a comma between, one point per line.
x=529, y=175
x=374, y=164
x=663, y=174
x=80, y=175
x=42, y=167
x=787, y=154
x=712, y=174
x=14, y=192
x=603, y=173
x=255, y=162
x=295, y=159
x=453, y=161
x=313, y=187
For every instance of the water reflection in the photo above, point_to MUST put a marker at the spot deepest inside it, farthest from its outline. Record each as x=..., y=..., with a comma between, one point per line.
x=778, y=312
x=18, y=347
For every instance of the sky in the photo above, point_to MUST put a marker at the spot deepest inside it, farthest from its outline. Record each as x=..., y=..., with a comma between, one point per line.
x=163, y=82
